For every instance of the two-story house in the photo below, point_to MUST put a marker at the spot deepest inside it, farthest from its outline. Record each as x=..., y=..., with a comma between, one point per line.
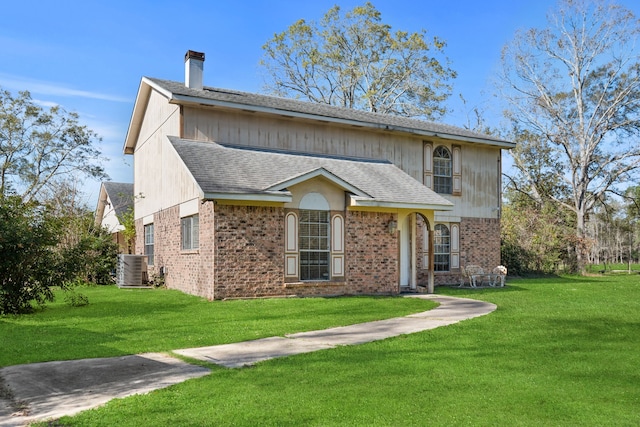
x=114, y=203
x=245, y=195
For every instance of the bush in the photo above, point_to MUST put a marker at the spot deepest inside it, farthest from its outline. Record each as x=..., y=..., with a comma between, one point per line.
x=36, y=253
x=75, y=299
x=29, y=262
x=93, y=257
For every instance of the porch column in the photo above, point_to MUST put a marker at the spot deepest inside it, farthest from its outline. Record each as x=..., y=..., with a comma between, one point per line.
x=431, y=284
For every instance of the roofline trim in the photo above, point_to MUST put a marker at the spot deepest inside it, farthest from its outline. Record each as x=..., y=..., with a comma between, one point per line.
x=139, y=109
x=358, y=202
x=283, y=197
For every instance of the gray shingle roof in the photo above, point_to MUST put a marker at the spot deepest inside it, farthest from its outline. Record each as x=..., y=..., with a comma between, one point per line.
x=319, y=111
x=253, y=171
x=121, y=195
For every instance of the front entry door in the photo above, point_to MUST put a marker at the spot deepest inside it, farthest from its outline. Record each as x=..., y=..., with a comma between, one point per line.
x=407, y=254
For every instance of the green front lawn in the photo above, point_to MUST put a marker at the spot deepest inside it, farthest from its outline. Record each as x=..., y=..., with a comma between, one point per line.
x=556, y=352
x=130, y=321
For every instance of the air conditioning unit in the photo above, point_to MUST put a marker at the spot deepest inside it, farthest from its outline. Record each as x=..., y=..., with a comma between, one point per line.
x=131, y=270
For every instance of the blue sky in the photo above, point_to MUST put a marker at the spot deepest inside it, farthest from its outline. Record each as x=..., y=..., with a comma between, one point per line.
x=89, y=56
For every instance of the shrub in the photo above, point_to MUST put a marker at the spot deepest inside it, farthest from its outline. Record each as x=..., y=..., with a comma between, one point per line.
x=29, y=262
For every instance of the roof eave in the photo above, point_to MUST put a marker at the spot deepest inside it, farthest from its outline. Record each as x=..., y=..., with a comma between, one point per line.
x=281, y=197
x=139, y=109
x=359, y=202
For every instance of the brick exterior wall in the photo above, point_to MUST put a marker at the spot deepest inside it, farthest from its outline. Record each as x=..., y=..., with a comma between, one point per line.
x=241, y=254
x=479, y=245
x=249, y=259
x=480, y=242
x=371, y=254
x=250, y=256
x=189, y=271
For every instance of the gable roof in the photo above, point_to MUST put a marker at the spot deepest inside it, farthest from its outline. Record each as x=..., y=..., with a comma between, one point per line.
x=121, y=195
x=178, y=93
x=247, y=173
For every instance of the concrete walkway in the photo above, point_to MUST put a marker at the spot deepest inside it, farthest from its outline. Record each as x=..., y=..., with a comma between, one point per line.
x=40, y=391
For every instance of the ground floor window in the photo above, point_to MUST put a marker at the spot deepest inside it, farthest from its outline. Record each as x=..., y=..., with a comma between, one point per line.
x=190, y=232
x=313, y=240
x=149, y=243
x=441, y=248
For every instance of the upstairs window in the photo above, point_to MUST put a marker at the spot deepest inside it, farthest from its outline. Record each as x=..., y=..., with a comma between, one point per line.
x=190, y=232
x=442, y=166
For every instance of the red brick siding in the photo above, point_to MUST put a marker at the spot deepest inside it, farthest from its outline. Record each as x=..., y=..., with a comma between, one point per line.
x=189, y=271
x=249, y=259
x=480, y=242
x=371, y=254
x=241, y=253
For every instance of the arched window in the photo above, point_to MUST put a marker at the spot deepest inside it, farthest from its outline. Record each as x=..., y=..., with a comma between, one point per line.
x=441, y=248
x=442, y=182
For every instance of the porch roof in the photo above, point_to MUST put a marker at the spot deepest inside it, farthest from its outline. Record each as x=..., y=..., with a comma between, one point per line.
x=248, y=173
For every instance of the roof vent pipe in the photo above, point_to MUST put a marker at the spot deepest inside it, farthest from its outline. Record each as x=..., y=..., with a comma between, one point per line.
x=193, y=66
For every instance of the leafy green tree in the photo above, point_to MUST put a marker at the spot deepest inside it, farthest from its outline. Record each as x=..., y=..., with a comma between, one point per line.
x=29, y=262
x=575, y=87
x=94, y=256
x=41, y=146
x=46, y=237
x=37, y=254
x=534, y=236
x=128, y=221
x=354, y=60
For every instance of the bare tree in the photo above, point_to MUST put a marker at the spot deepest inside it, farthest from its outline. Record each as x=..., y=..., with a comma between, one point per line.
x=575, y=86
x=354, y=60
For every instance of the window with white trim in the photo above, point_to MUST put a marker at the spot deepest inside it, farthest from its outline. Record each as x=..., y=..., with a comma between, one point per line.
x=314, y=245
x=441, y=248
x=149, y=243
x=442, y=167
x=190, y=232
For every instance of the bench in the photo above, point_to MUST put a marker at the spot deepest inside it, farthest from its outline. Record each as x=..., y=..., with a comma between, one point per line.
x=474, y=274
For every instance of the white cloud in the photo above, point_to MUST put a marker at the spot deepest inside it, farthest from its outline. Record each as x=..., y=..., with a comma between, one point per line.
x=54, y=88
x=48, y=104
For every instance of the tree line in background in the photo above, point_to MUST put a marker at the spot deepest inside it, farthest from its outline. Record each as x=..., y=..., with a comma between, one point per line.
x=573, y=96
x=539, y=238
x=47, y=236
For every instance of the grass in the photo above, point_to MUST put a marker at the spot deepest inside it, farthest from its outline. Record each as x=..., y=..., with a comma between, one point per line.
x=131, y=321
x=556, y=352
x=618, y=267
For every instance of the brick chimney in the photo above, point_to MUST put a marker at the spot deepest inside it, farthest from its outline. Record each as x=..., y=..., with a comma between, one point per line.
x=193, y=66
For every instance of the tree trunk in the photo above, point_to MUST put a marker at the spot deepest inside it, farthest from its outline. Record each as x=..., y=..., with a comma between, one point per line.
x=579, y=244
